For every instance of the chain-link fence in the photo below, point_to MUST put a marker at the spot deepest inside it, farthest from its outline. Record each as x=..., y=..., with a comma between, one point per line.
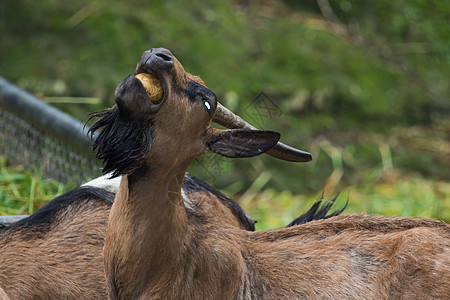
x=37, y=135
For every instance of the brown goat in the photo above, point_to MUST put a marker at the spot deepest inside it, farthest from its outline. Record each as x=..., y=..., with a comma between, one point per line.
x=56, y=253
x=156, y=249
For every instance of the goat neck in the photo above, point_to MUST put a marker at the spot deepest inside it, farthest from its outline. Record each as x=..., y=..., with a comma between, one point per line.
x=140, y=221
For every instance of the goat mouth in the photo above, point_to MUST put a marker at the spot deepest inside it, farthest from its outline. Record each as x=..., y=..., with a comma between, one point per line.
x=154, y=84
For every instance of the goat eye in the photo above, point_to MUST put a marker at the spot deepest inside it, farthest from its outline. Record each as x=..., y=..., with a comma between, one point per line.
x=208, y=106
x=200, y=97
x=205, y=102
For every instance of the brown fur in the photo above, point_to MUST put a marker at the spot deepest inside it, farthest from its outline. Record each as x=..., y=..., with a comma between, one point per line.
x=3, y=295
x=204, y=207
x=63, y=259
x=155, y=250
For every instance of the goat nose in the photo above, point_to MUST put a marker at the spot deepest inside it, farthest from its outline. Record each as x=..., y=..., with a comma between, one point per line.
x=164, y=54
x=155, y=60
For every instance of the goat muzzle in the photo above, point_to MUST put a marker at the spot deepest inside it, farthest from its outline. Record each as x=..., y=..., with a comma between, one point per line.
x=228, y=119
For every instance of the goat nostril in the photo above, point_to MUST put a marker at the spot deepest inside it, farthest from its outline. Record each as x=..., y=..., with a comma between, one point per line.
x=155, y=60
x=165, y=57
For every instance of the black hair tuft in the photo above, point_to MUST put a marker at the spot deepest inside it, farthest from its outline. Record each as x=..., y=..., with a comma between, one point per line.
x=122, y=142
x=318, y=211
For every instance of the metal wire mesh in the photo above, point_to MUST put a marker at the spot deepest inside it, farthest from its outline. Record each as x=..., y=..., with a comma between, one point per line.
x=23, y=144
x=38, y=136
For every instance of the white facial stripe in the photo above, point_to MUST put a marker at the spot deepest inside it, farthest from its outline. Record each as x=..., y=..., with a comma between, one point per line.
x=208, y=106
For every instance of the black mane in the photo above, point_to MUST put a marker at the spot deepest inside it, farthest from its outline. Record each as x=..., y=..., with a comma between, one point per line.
x=122, y=142
x=318, y=211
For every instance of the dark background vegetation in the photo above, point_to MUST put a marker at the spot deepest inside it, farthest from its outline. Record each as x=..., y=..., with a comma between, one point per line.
x=363, y=85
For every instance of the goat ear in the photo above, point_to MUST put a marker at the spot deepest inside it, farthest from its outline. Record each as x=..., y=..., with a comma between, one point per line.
x=243, y=142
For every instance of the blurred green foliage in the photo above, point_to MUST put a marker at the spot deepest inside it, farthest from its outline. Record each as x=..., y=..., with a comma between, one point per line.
x=363, y=85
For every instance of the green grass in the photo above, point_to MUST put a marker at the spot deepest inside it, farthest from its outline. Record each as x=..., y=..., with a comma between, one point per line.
x=23, y=192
